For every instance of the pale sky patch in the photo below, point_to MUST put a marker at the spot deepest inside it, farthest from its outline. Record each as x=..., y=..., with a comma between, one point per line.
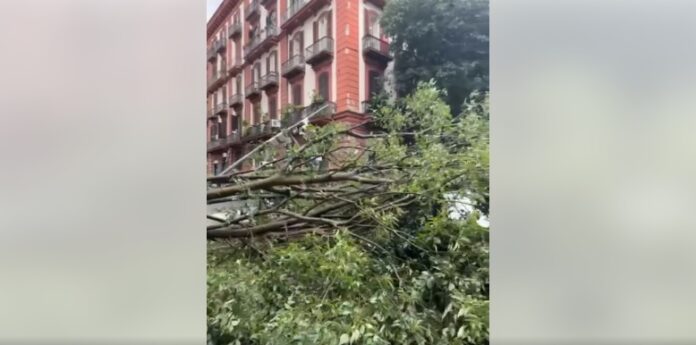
x=212, y=5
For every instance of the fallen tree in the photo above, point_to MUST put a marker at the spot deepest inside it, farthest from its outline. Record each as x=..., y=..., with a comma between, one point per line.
x=390, y=257
x=343, y=177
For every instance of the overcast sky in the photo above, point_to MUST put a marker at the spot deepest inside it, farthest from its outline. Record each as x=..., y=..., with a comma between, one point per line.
x=212, y=5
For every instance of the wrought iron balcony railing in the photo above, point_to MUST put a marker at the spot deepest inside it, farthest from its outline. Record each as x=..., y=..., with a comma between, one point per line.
x=293, y=66
x=234, y=30
x=236, y=99
x=319, y=50
x=252, y=89
x=269, y=31
x=269, y=80
x=221, y=108
x=376, y=47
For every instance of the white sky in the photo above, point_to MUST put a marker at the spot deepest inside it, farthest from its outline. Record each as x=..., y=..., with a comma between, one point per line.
x=211, y=6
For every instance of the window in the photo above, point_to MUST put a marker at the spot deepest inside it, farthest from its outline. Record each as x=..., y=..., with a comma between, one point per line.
x=235, y=123
x=216, y=168
x=374, y=83
x=223, y=127
x=372, y=24
x=297, y=44
x=324, y=86
x=271, y=62
x=297, y=94
x=272, y=107
x=257, y=113
x=322, y=27
x=239, y=85
x=256, y=75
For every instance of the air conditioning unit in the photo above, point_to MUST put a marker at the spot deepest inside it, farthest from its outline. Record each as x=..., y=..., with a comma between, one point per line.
x=275, y=123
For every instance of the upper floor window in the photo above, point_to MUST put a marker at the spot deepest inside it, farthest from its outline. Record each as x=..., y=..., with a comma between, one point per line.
x=272, y=62
x=256, y=72
x=297, y=44
x=322, y=26
x=372, y=26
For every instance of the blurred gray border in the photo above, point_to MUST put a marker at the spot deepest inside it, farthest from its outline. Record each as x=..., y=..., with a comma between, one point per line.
x=102, y=144
x=592, y=172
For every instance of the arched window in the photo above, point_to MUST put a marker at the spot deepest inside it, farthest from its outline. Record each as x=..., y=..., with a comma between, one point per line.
x=322, y=26
x=372, y=26
x=297, y=44
x=272, y=62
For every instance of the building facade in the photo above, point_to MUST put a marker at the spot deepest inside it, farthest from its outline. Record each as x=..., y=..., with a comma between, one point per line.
x=271, y=62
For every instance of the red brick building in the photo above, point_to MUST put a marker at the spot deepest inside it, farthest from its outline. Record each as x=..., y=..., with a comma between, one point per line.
x=271, y=62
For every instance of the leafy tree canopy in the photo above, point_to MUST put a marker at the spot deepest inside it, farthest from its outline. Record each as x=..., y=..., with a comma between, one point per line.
x=445, y=40
x=364, y=249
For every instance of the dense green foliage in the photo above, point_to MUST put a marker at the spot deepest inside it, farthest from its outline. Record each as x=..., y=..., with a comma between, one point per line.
x=445, y=40
x=415, y=275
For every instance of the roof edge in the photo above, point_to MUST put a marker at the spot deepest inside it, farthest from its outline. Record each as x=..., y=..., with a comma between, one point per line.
x=217, y=17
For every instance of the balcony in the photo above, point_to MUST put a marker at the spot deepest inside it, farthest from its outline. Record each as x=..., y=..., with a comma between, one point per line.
x=220, y=45
x=299, y=10
x=267, y=3
x=252, y=90
x=292, y=113
x=266, y=38
x=212, y=54
x=269, y=80
x=221, y=108
x=211, y=113
x=324, y=115
x=223, y=142
x=376, y=48
x=236, y=100
x=321, y=50
x=234, y=30
x=252, y=132
x=253, y=9
x=217, y=79
x=215, y=144
x=293, y=66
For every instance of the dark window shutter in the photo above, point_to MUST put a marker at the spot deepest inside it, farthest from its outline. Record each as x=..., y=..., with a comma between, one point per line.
x=297, y=94
x=300, y=48
x=315, y=29
x=328, y=24
x=324, y=85
x=272, y=105
x=223, y=127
